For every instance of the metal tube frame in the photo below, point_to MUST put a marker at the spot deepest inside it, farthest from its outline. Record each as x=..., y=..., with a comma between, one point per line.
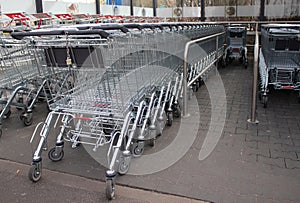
x=255, y=75
x=185, y=84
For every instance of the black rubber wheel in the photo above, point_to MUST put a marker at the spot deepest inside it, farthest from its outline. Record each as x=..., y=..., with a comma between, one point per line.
x=27, y=120
x=123, y=166
x=265, y=101
x=152, y=142
x=7, y=114
x=0, y=133
x=177, y=112
x=136, y=150
x=20, y=100
x=34, y=175
x=169, y=118
x=110, y=189
x=54, y=156
x=194, y=88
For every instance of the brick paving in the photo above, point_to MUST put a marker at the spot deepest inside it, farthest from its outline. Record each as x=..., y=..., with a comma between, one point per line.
x=251, y=163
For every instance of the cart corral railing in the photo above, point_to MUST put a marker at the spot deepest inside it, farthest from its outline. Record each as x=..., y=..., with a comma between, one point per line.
x=206, y=64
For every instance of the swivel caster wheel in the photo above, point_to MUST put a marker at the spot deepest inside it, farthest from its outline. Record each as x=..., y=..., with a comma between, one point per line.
x=137, y=149
x=265, y=101
x=169, y=118
x=35, y=173
x=110, y=189
x=55, y=155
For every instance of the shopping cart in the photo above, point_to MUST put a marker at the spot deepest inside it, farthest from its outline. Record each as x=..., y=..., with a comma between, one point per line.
x=279, y=59
x=236, y=44
x=120, y=96
x=21, y=78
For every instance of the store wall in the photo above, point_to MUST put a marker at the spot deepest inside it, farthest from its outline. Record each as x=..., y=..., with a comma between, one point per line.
x=278, y=10
x=61, y=7
x=17, y=6
x=273, y=8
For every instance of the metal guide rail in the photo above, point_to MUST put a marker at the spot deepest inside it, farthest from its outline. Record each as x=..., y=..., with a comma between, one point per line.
x=119, y=87
x=279, y=59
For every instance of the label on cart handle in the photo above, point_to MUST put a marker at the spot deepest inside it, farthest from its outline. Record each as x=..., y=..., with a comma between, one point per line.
x=69, y=61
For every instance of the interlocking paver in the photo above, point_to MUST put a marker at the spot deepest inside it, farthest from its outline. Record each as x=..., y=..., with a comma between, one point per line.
x=275, y=140
x=283, y=154
x=276, y=162
x=255, y=138
x=265, y=152
x=292, y=164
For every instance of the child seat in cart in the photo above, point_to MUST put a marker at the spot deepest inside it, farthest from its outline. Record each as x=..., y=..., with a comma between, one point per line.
x=279, y=59
x=236, y=44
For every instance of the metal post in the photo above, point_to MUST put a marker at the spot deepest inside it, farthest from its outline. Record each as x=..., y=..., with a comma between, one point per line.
x=97, y=6
x=154, y=3
x=185, y=86
x=262, y=11
x=131, y=7
x=217, y=45
x=203, y=10
x=39, y=6
x=255, y=74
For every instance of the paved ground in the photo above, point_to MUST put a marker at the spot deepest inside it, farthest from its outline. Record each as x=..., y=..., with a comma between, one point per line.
x=62, y=187
x=251, y=163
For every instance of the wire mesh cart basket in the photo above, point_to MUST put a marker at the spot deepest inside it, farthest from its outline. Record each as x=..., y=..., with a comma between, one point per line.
x=119, y=87
x=279, y=59
x=236, y=44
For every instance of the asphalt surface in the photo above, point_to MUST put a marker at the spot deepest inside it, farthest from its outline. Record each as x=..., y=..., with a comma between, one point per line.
x=250, y=163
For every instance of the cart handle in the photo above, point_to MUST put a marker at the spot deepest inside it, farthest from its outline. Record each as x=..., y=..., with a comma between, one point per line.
x=20, y=35
x=131, y=26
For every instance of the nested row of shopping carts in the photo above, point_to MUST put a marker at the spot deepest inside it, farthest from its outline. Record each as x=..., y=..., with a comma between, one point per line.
x=236, y=44
x=21, y=80
x=279, y=59
x=114, y=86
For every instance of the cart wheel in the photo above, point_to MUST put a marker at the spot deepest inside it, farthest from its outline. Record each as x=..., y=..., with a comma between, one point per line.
x=246, y=66
x=54, y=155
x=152, y=142
x=34, y=174
x=137, y=150
x=27, y=120
x=124, y=165
x=195, y=88
x=7, y=114
x=177, y=112
x=265, y=101
x=0, y=133
x=20, y=101
x=110, y=189
x=198, y=84
x=169, y=118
